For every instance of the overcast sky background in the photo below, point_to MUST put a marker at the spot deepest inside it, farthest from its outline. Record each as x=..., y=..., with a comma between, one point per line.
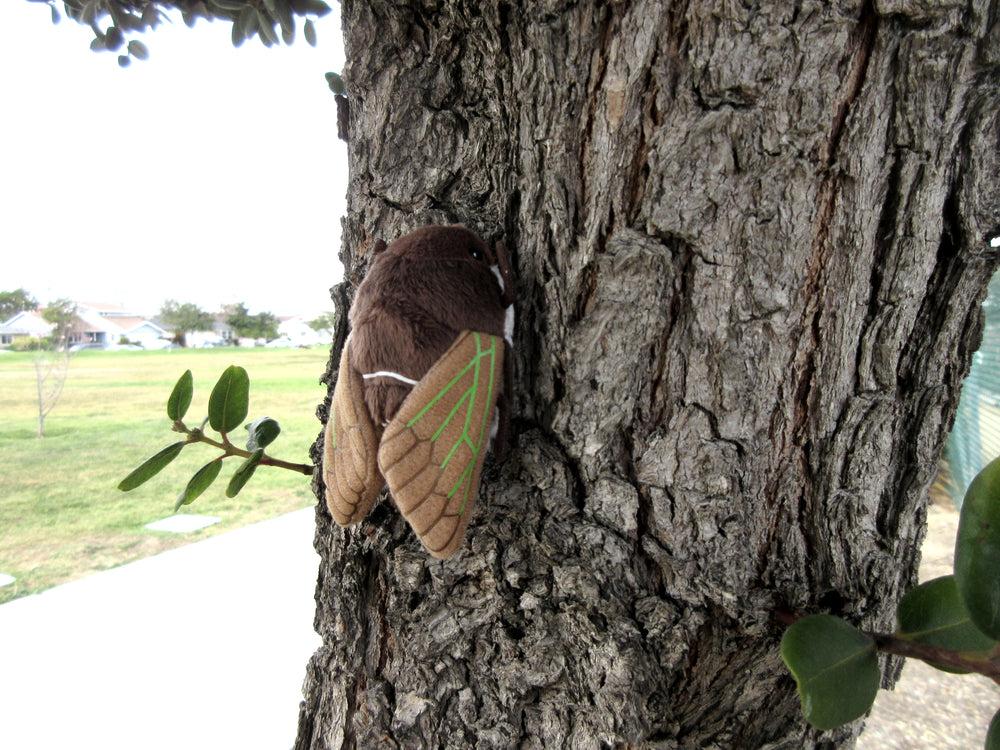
x=206, y=174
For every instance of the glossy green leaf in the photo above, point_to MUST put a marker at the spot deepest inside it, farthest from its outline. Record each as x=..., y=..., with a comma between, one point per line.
x=200, y=482
x=977, y=550
x=262, y=433
x=150, y=467
x=336, y=83
x=56, y=18
x=993, y=734
x=180, y=397
x=933, y=613
x=230, y=400
x=835, y=667
x=309, y=31
x=243, y=474
x=124, y=61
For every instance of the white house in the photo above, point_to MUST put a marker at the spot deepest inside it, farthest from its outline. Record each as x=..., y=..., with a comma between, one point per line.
x=27, y=323
x=109, y=324
x=101, y=325
x=297, y=332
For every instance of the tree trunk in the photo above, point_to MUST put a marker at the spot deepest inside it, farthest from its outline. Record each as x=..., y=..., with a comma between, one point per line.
x=751, y=249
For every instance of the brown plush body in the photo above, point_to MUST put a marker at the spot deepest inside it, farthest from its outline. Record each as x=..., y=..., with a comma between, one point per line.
x=419, y=293
x=420, y=383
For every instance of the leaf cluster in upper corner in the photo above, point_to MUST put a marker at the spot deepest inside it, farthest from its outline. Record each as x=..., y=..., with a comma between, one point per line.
x=271, y=21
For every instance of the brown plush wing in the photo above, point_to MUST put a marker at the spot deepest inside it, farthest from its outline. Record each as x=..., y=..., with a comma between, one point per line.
x=432, y=451
x=350, y=467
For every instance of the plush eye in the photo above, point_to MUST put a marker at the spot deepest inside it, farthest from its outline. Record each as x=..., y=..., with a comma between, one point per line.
x=474, y=252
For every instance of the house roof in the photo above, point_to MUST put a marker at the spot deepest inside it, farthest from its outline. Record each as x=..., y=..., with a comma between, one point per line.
x=29, y=322
x=96, y=322
x=132, y=323
x=105, y=309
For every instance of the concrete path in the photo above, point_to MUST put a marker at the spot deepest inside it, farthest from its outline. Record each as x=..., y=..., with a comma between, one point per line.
x=204, y=647
x=200, y=647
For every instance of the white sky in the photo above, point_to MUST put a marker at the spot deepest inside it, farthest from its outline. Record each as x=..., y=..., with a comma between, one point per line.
x=206, y=173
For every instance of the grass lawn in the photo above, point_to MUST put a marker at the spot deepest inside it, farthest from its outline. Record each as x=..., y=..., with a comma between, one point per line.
x=61, y=514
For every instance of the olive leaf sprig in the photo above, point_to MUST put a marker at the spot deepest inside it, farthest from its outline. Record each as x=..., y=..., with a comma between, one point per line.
x=952, y=623
x=228, y=405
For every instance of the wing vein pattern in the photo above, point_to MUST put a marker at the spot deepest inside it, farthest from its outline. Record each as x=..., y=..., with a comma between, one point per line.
x=432, y=451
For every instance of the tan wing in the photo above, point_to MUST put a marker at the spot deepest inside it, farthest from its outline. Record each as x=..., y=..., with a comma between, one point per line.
x=432, y=451
x=350, y=468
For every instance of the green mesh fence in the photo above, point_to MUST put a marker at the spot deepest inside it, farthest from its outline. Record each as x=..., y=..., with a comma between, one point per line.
x=975, y=438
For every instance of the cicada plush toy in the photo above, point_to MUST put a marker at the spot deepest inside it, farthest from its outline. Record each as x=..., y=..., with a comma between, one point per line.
x=424, y=383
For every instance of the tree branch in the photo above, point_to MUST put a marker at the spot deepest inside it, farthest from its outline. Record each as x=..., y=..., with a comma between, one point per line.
x=935, y=655
x=197, y=436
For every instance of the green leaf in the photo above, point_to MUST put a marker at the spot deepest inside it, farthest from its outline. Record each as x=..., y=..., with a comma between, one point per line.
x=230, y=400
x=316, y=7
x=113, y=39
x=56, y=18
x=309, y=30
x=993, y=734
x=977, y=550
x=265, y=28
x=150, y=467
x=138, y=50
x=180, y=397
x=336, y=83
x=933, y=613
x=245, y=25
x=835, y=667
x=200, y=482
x=124, y=61
x=243, y=474
x=262, y=433
x=285, y=17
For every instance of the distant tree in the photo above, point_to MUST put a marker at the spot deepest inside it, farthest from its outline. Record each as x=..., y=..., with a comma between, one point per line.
x=324, y=322
x=11, y=303
x=263, y=325
x=182, y=318
x=62, y=314
x=52, y=361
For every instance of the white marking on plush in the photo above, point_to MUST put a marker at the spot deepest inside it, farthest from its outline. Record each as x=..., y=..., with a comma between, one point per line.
x=387, y=374
x=508, y=324
x=494, y=427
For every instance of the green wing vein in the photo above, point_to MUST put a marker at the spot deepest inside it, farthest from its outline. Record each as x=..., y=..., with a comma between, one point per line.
x=467, y=403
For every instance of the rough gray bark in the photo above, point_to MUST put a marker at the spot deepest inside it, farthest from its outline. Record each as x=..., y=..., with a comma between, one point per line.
x=751, y=247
